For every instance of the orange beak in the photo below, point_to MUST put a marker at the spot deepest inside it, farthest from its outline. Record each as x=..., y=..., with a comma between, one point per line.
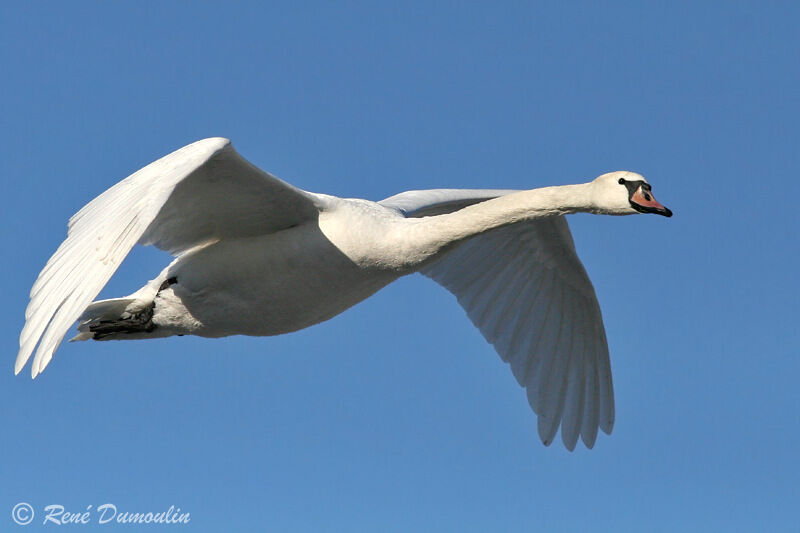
x=644, y=201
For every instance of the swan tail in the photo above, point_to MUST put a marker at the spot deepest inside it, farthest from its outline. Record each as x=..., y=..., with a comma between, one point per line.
x=118, y=318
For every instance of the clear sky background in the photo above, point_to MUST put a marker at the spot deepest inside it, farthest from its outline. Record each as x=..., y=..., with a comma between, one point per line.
x=397, y=415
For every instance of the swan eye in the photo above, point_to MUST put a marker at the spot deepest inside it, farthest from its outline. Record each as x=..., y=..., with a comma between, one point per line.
x=622, y=181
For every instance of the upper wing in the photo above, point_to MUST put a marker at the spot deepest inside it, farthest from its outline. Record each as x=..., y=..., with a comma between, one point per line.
x=439, y=201
x=202, y=192
x=526, y=290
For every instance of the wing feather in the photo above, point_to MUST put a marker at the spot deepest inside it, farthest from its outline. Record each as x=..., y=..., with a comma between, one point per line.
x=516, y=329
x=487, y=291
x=481, y=288
x=606, y=387
x=591, y=404
x=524, y=357
x=495, y=317
x=575, y=386
x=549, y=379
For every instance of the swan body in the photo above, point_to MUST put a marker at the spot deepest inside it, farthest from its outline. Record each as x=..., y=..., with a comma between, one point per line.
x=257, y=256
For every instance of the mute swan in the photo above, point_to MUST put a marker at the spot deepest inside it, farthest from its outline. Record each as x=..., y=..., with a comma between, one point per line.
x=257, y=256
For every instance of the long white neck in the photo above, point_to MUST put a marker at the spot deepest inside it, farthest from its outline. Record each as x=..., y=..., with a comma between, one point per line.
x=425, y=237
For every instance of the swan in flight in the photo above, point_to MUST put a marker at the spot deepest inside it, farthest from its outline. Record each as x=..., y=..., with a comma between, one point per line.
x=257, y=256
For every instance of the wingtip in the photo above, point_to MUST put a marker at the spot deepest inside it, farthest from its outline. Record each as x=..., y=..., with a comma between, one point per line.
x=40, y=363
x=546, y=433
x=19, y=364
x=214, y=143
x=589, y=440
x=35, y=368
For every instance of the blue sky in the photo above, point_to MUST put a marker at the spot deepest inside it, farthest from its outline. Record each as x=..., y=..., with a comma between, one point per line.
x=397, y=415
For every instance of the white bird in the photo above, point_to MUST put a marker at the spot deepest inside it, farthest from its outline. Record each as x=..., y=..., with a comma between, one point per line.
x=257, y=256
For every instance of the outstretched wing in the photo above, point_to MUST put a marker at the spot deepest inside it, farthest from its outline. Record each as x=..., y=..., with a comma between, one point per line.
x=203, y=192
x=526, y=290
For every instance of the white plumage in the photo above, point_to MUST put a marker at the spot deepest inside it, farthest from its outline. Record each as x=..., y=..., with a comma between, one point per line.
x=257, y=256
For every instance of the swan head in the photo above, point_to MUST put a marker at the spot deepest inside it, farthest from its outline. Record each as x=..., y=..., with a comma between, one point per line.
x=626, y=193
